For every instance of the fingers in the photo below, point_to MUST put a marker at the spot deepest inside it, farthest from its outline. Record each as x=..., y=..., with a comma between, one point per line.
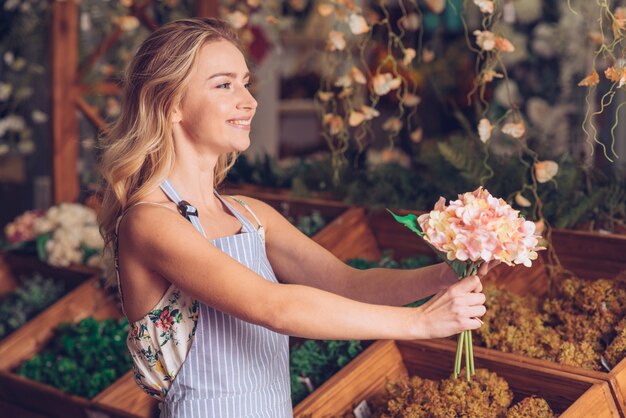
x=469, y=284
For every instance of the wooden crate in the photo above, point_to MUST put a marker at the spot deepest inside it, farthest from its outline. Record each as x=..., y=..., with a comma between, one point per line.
x=569, y=394
x=14, y=264
x=86, y=300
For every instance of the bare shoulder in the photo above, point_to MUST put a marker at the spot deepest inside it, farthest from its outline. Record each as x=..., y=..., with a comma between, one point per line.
x=137, y=227
x=266, y=213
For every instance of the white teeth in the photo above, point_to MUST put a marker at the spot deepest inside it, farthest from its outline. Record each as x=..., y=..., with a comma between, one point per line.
x=241, y=122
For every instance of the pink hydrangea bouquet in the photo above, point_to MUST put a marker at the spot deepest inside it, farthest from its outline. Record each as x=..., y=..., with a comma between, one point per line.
x=469, y=231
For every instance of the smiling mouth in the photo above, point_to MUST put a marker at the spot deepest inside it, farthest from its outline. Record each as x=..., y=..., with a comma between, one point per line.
x=240, y=123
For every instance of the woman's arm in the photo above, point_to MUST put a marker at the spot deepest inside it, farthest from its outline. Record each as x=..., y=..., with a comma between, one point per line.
x=297, y=259
x=176, y=251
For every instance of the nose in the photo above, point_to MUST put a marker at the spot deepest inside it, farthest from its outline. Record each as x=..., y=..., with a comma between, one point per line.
x=247, y=100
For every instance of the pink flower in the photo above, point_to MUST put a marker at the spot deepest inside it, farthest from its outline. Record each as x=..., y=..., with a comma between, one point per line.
x=479, y=227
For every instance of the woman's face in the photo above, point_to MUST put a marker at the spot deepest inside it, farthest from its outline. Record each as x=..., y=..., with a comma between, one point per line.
x=217, y=108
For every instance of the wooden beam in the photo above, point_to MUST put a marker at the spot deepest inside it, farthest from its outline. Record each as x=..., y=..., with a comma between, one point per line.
x=207, y=8
x=64, y=121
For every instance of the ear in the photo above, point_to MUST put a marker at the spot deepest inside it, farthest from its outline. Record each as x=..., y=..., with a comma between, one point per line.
x=176, y=114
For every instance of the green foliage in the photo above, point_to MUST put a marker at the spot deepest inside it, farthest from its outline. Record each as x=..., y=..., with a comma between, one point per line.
x=311, y=224
x=82, y=359
x=32, y=296
x=318, y=361
x=462, y=154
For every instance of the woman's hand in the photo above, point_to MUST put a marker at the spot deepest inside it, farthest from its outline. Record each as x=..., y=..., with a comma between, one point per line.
x=454, y=310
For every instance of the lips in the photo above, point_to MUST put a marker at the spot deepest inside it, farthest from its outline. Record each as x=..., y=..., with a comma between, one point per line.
x=240, y=123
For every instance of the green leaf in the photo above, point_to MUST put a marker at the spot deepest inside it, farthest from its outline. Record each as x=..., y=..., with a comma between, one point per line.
x=410, y=221
x=41, y=246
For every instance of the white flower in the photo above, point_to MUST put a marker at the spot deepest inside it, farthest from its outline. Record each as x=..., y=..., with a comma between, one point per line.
x=38, y=116
x=237, y=19
x=325, y=9
x=546, y=170
x=357, y=76
x=384, y=83
x=409, y=54
x=486, y=6
x=522, y=201
x=4, y=148
x=484, y=129
x=369, y=112
x=516, y=130
x=26, y=146
x=8, y=57
x=507, y=94
x=411, y=100
x=85, y=22
x=12, y=123
x=485, y=39
x=5, y=91
x=357, y=24
x=91, y=237
x=336, y=41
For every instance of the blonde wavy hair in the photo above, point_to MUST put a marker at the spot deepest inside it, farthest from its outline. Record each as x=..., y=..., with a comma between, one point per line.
x=138, y=150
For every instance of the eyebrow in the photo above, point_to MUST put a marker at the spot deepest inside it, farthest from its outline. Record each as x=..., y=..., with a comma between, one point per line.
x=230, y=75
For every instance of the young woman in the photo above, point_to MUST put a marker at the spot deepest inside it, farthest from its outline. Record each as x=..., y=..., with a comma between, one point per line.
x=212, y=285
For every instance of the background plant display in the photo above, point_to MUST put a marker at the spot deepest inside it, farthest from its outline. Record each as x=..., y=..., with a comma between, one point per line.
x=82, y=359
x=581, y=324
x=32, y=295
x=488, y=395
x=65, y=234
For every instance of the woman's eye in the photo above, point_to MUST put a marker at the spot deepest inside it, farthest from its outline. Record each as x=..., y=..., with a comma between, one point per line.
x=224, y=86
x=248, y=86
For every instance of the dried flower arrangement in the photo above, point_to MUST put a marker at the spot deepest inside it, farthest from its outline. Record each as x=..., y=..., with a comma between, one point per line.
x=486, y=396
x=581, y=325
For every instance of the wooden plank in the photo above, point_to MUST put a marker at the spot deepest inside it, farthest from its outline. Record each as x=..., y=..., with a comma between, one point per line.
x=125, y=398
x=65, y=151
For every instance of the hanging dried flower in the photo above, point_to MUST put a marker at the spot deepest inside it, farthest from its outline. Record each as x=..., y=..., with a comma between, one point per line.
x=325, y=9
x=522, y=201
x=417, y=135
x=325, y=95
x=616, y=75
x=357, y=76
x=486, y=6
x=489, y=75
x=345, y=92
x=427, y=55
x=409, y=54
x=237, y=19
x=393, y=124
x=369, y=112
x=336, y=41
x=410, y=22
x=503, y=44
x=591, y=80
x=436, y=6
x=484, y=129
x=254, y=3
x=357, y=24
x=344, y=81
x=516, y=130
x=485, y=39
x=334, y=122
x=38, y=116
x=545, y=170
x=410, y=99
x=355, y=118
x=384, y=83
x=127, y=23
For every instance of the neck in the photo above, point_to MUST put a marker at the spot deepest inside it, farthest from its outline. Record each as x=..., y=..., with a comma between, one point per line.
x=193, y=174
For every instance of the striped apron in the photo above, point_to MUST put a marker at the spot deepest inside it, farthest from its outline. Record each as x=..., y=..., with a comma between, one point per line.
x=233, y=368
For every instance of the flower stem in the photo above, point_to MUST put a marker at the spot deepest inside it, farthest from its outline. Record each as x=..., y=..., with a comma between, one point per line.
x=459, y=352
x=471, y=351
x=468, y=366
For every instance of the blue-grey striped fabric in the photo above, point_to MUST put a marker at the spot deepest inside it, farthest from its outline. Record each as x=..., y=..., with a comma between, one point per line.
x=233, y=368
